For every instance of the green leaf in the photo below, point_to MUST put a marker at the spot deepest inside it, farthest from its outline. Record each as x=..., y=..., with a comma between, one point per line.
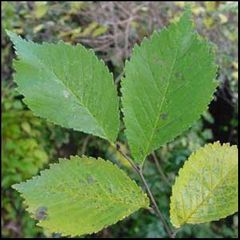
x=81, y=196
x=68, y=86
x=207, y=186
x=169, y=81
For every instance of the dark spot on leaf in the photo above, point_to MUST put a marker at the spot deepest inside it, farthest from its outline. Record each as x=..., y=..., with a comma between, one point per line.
x=56, y=235
x=118, y=146
x=179, y=75
x=163, y=116
x=41, y=213
x=90, y=180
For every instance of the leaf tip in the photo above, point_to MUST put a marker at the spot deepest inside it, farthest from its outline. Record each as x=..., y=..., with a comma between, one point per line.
x=12, y=35
x=17, y=187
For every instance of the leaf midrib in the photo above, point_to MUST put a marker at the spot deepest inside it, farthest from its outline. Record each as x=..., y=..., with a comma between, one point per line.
x=75, y=96
x=161, y=104
x=208, y=195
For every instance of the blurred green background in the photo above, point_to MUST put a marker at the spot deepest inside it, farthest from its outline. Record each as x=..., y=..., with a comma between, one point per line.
x=111, y=29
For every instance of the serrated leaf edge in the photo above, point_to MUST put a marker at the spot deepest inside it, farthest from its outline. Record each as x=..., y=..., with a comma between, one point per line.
x=127, y=62
x=90, y=51
x=61, y=160
x=217, y=143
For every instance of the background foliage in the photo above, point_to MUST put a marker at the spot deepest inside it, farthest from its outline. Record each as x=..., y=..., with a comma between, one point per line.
x=111, y=29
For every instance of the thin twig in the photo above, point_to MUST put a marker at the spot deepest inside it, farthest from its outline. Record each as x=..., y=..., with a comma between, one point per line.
x=159, y=168
x=86, y=140
x=155, y=206
x=175, y=232
x=136, y=168
x=167, y=228
x=124, y=9
x=119, y=77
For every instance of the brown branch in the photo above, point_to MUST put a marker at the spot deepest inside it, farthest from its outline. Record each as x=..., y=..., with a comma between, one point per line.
x=160, y=170
x=155, y=206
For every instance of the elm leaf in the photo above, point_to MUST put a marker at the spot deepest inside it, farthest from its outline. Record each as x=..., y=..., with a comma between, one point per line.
x=68, y=86
x=207, y=186
x=81, y=196
x=169, y=82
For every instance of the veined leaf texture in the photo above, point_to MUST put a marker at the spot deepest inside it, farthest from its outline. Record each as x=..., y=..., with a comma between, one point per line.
x=169, y=82
x=207, y=186
x=68, y=86
x=81, y=196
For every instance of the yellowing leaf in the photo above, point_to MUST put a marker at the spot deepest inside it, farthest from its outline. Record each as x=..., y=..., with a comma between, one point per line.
x=76, y=6
x=88, y=30
x=18, y=30
x=123, y=161
x=41, y=9
x=38, y=28
x=207, y=186
x=211, y=6
x=179, y=4
x=235, y=65
x=208, y=22
x=99, y=31
x=197, y=10
x=75, y=32
x=71, y=34
x=26, y=127
x=223, y=18
x=175, y=18
x=81, y=196
x=134, y=24
x=235, y=75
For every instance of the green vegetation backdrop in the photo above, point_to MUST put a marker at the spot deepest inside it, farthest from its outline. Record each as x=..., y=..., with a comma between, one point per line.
x=111, y=29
